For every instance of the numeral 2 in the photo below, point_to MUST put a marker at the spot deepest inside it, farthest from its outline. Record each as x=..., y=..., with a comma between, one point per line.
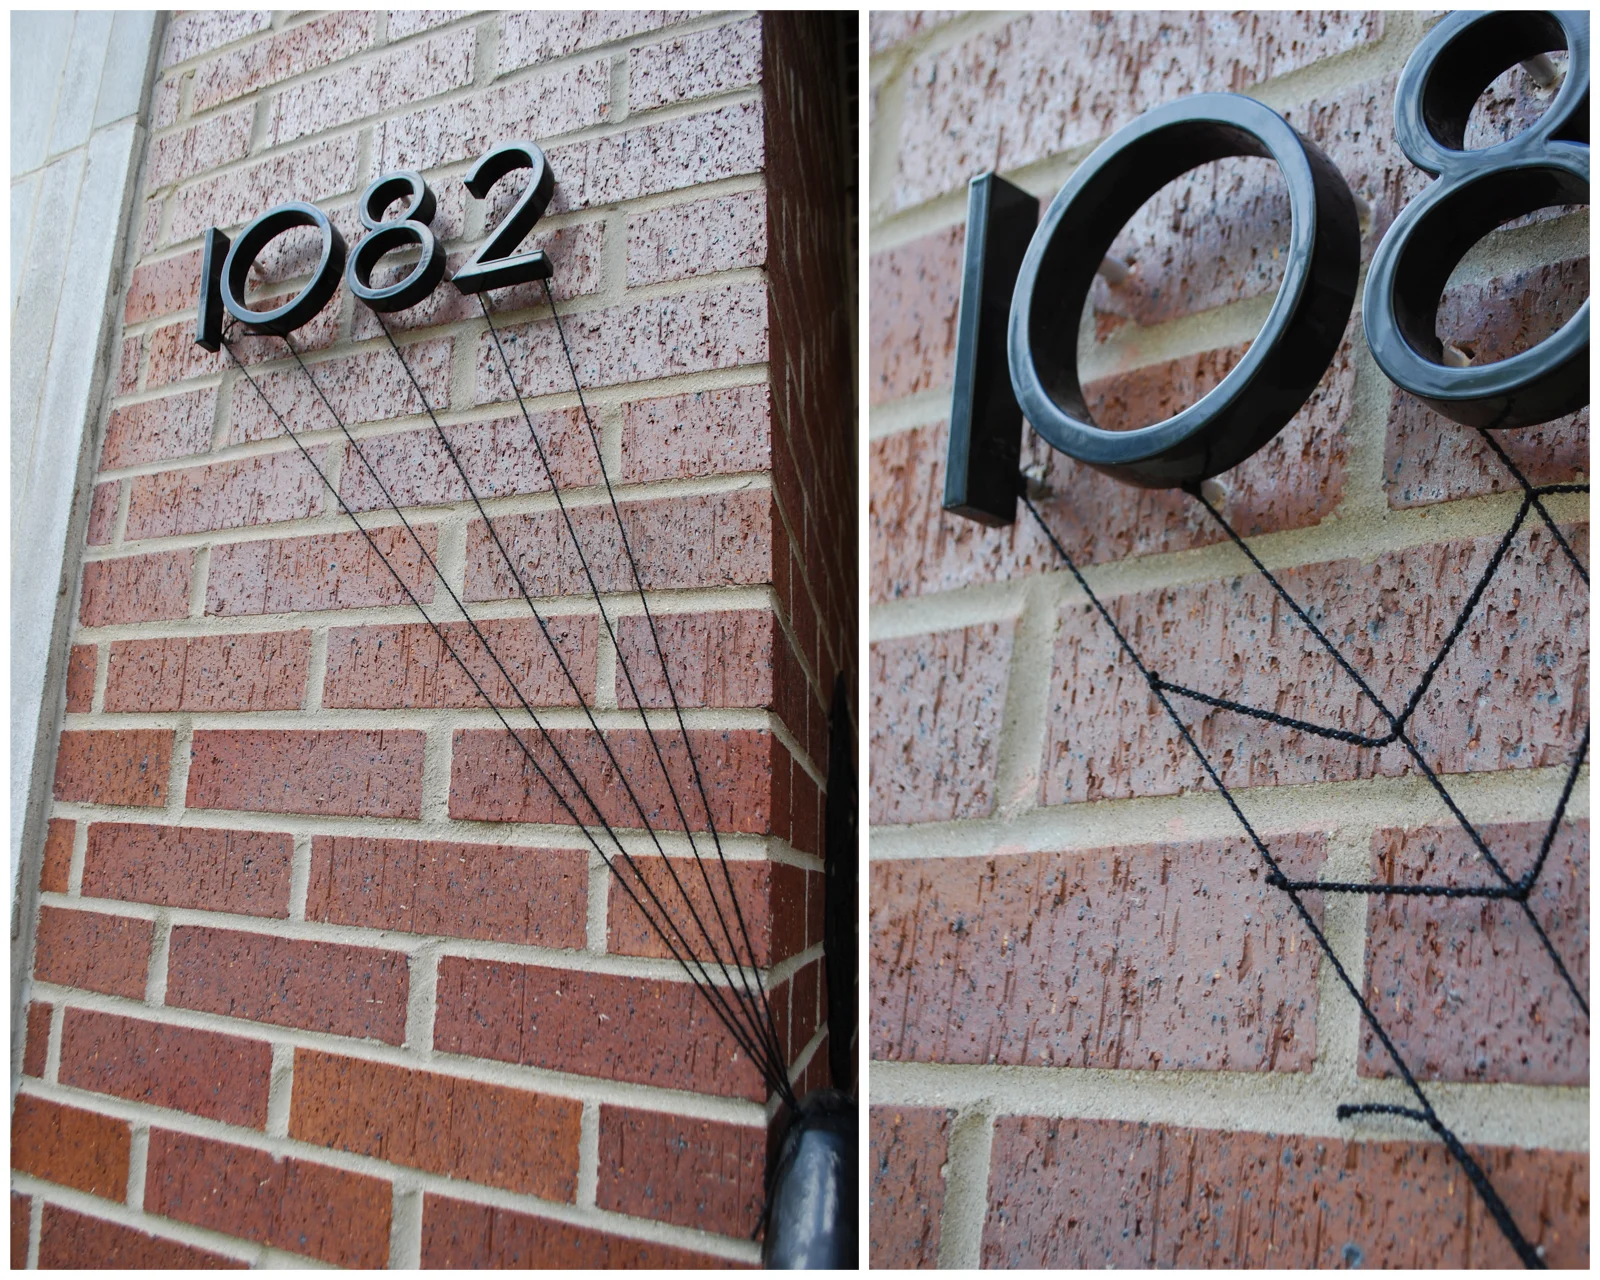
x=493, y=266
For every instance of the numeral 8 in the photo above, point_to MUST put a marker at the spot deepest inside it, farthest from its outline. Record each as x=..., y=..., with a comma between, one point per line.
x=410, y=226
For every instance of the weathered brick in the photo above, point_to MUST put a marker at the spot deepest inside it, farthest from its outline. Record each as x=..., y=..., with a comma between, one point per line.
x=21, y=1212
x=69, y=1240
x=705, y=1174
x=202, y=1072
x=916, y=290
x=288, y=1203
x=937, y=704
x=231, y=199
x=114, y=766
x=528, y=36
x=135, y=588
x=80, y=676
x=287, y=53
x=456, y=1233
x=1169, y=956
x=226, y=495
x=318, y=986
x=710, y=540
x=760, y=919
x=163, y=287
x=730, y=659
x=128, y=365
x=240, y=872
x=103, y=513
x=207, y=145
x=496, y=893
x=410, y=74
x=1465, y=988
x=259, y=671
x=510, y=1138
x=70, y=1146
x=153, y=430
x=36, y=1046
x=695, y=66
x=1502, y=698
x=369, y=387
x=355, y=772
x=638, y=1030
x=199, y=31
x=697, y=238
x=909, y=1147
x=408, y=22
x=325, y=571
x=722, y=432
x=1095, y=1193
x=92, y=951
x=165, y=101
x=57, y=861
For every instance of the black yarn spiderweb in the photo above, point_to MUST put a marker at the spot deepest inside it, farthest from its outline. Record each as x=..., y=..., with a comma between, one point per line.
x=1517, y=889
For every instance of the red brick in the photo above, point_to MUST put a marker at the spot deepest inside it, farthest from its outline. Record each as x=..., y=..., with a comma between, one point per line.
x=697, y=238
x=369, y=387
x=637, y=1030
x=704, y=1174
x=695, y=66
x=528, y=36
x=458, y=1234
x=56, y=864
x=353, y=772
x=174, y=426
x=80, y=676
x=710, y=540
x=705, y=433
x=1502, y=698
x=191, y=34
x=163, y=287
x=730, y=659
x=909, y=1147
x=805, y=1013
x=135, y=588
x=1465, y=988
x=937, y=703
x=231, y=199
x=211, y=143
x=103, y=513
x=75, y=1241
x=324, y=571
x=114, y=766
x=92, y=951
x=286, y=1203
x=486, y=1133
x=227, y=495
x=128, y=365
x=36, y=1047
x=915, y=290
x=771, y=899
x=21, y=1212
x=318, y=986
x=240, y=872
x=1167, y=956
x=1095, y=1193
x=496, y=893
x=287, y=53
x=70, y=1146
x=206, y=1074
x=259, y=671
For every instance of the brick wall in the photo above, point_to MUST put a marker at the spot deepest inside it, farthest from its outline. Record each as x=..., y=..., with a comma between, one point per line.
x=318, y=969
x=1096, y=1036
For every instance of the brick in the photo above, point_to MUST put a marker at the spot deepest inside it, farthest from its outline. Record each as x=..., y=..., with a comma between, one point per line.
x=909, y=1147
x=240, y=872
x=697, y=238
x=770, y=898
x=317, y=986
x=722, y=432
x=887, y=28
x=709, y=540
x=695, y=66
x=286, y=1203
x=165, y=102
x=385, y=84
x=637, y=1030
x=92, y=951
x=231, y=199
x=114, y=766
x=937, y=703
x=1465, y=989
x=174, y=426
x=259, y=671
x=103, y=513
x=150, y=227
x=456, y=1233
x=202, y=1072
x=163, y=287
x=21, y=1213
x=135, y=589
x=80, y=677
x=408, y=22
x=538, y=35
x=916, y=291
x=128, y=365
x=56, y=864
x=369, y=387
x=704, y=1174
x=207, y=145
x=287, y=53
x=543, y=106
x=1501, y=699
x=76, y=1241
x=176, y=357
x=491, y=779
x=511, y=1138
x=352, y=772
x=36, y=1047
x=70, y=1146
x=324, y=571
x=1169, y=956
x=1094, y=1193
x=1001, y=99
x=226, y=495
x=730, y=659
x=191, y=34
x=495, y=893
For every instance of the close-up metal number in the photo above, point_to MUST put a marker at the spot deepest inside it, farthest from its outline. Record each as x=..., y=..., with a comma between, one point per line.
x=493, y=266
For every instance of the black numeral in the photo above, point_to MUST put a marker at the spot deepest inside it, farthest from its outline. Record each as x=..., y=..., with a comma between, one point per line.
x=494, y=266
x=225, y=287
x=411, y=227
